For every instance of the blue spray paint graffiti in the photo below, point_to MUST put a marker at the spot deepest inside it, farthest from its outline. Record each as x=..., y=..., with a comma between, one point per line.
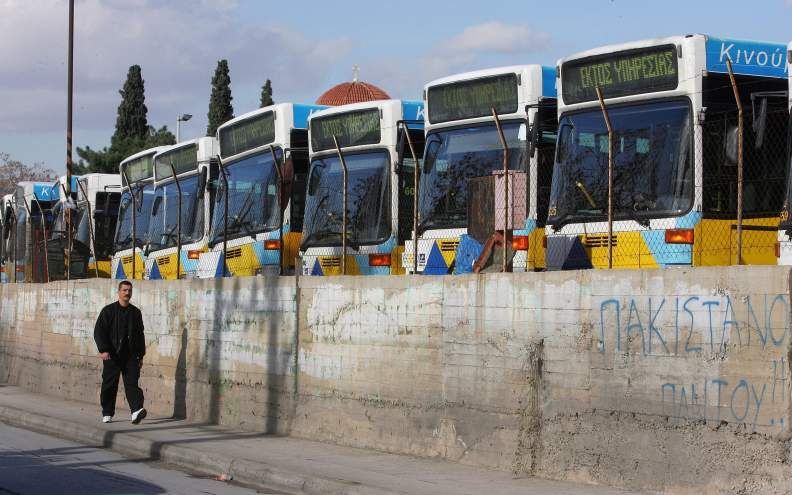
x=736, y=401
x=691, y=324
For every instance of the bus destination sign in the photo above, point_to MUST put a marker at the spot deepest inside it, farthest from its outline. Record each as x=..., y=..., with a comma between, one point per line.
x=139, y=169
x=474, y=98
x=247, y=135
x=183, y=160
x=645, y=70
x=350, y=129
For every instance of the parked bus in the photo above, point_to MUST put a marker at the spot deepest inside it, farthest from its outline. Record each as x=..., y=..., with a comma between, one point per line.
x=463, y=144
x=195, y=165
x=7, y=218
x=379, y=194
x=674, y=117
x=784, y=250
x=137, y=196
x=93, y=207
x=255, y=150
x=33, y=202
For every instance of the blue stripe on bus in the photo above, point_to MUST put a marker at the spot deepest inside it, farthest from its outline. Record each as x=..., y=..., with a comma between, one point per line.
x=302, y=112
x=549, y=82
x=752, y=58
x=413, y=110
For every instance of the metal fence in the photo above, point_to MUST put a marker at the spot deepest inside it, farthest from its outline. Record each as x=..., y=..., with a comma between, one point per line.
x=665, y=193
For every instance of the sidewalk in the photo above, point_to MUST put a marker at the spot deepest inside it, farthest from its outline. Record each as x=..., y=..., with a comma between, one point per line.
x=288, y=464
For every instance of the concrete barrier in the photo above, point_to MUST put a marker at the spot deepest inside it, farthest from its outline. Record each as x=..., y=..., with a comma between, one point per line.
x=675, y=379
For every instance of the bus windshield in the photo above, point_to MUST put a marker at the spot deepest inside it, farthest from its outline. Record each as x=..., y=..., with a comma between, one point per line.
x=652, y=164
x=144, y=197
x=368, y=200
x=252, y=197
x=164, y=224
x=454, y=156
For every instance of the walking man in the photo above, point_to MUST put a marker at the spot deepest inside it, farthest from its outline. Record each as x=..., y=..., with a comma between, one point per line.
x=119, y=338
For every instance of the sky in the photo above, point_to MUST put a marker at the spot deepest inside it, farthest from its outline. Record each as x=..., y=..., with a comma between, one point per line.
x=304, y=47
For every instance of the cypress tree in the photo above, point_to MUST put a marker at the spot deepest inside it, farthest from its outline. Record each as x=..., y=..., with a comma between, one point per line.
x=220, y=109
x=132, y=132
x=266, y=94
x=131, y=121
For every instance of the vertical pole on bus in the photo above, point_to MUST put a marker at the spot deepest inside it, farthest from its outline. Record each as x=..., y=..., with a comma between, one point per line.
x=606, y=116
x=178, y=220
x=225, y=214
x=506, y=214
x=344, y=215
x=739, y=161
x=69, y=165
x=67, y=223
x=90, y=225
x=134, y=220
x=416, y=175
x=46, y=245
x=278, y=171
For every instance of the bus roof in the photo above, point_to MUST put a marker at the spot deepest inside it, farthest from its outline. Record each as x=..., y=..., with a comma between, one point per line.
x=42, y=191
x=412, y=110
x=751, y=58
x=548, y=76
x=100, y=181
x=301, y=112
x=207, y=148
x=155, y=149
x=391, y=113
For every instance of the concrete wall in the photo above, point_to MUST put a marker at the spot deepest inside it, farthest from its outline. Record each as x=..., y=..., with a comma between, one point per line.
x=671, y=380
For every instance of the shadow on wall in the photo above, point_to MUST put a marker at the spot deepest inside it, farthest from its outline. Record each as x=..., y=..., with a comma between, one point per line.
x=254, y=399
x=180, y=377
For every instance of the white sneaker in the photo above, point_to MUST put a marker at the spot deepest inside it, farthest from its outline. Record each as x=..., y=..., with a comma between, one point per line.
x=138, y=416
x=107, y=419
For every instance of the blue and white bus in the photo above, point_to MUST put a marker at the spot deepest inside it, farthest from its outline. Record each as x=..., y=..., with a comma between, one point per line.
x=137, y=196
x=463, y=144
x=7, y=238
x=675, y=163
x=93, y=207
x=196, y=165
x=256, y=225
x=379, y=196
x=33, y=202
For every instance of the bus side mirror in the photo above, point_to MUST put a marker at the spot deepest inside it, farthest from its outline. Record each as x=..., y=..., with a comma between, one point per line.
x=202, y=181
x=730, y=145
x=533, y=138
x=401, y=145
x=760, y=123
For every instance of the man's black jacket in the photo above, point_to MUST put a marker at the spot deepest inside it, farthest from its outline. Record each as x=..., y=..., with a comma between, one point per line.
x=109, y=337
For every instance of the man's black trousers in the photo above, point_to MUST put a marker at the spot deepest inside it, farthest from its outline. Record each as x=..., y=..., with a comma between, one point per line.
x=130, y=369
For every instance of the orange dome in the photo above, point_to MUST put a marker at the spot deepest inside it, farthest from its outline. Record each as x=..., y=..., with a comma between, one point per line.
x=351, y=92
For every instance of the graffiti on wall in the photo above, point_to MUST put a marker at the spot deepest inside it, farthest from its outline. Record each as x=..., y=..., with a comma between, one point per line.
x=751, y=390
x=692, y=324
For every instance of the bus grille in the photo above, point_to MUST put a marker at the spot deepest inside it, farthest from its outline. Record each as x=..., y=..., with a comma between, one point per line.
x=163, y=261
x=126, y=260
x=599, y=240
x=233, y=253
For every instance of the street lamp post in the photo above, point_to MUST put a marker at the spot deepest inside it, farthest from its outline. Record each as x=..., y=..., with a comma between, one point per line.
x=182, y=118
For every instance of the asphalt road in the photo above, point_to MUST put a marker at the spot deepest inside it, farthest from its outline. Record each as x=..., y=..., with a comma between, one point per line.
x=32, y=463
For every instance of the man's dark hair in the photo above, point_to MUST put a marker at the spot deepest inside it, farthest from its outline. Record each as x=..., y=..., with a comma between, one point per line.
x=123, y=283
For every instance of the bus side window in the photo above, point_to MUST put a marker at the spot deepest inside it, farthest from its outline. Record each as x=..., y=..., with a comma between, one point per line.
x=407, y=180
